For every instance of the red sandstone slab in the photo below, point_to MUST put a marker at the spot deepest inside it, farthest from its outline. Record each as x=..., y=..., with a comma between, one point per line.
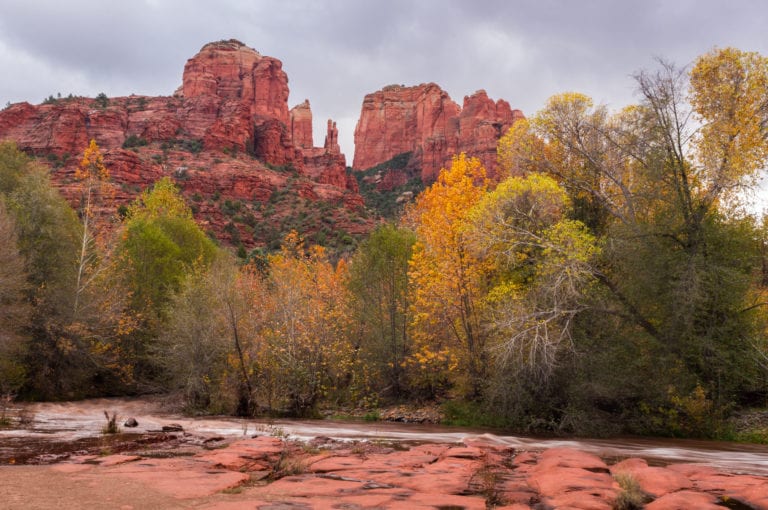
x=580, y=501
x=72, y=468
x=685, y=500
x=335, y=463
x=753, y=495
x=114, y=460
x=311, y=486
x=434, y=450
x=234, y=461
x=693, y=471
x=431, y=501
x=181, y=478
x=397, y=460
x=464, y=453
x=727, y=483
x=254, y=454
x=654, y=481
x=568, y=479
x=526, y=458
x=570, y=458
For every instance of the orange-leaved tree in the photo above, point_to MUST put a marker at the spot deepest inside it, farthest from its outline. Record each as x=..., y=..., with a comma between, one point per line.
x=449, y=281
x=305, y=353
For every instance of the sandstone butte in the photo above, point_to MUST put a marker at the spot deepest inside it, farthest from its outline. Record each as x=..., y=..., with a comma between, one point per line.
x=271, y=473
x=425, y=122
x=227, y=137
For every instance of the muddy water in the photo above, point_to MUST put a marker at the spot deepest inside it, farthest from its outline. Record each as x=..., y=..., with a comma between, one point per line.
x=69, y=424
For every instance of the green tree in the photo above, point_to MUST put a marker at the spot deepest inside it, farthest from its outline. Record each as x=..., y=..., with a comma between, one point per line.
x=381, y=297
x=204, y=345
x=161, y=245
x=14, y=308
x=543, y=267
x=70, y=354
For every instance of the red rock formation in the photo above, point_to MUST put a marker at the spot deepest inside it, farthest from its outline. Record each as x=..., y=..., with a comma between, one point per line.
x=301, y=125
x=332, y=138
x=476, y=476
x=231, y=71
x=226, y=134
x=425, y=122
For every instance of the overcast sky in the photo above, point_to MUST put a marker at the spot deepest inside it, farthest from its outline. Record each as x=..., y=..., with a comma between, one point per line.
x=336, y=51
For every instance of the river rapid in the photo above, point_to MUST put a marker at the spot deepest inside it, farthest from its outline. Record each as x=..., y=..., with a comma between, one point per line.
x=78, y=422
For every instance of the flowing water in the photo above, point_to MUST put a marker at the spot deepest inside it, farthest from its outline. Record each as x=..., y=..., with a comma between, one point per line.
x=69, y=424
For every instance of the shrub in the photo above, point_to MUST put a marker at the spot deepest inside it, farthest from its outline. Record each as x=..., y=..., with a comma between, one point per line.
x=134, y=141
x=102, y=100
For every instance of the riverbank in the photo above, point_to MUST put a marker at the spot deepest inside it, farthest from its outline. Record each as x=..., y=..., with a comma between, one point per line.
x=272, y=472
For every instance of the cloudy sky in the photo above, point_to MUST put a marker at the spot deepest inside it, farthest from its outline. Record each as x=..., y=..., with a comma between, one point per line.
x=336, y=51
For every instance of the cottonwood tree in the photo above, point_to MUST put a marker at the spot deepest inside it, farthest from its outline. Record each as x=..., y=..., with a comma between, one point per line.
x=47, y=237
x=542, y=270
x=659, y=183
x=205, y=345
x=14, y=308
x=92, y=176
x=159, y=247
x=381, y=295
x=449, y=279
x=306, y=353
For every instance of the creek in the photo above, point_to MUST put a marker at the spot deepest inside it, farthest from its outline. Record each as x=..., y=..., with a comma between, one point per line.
x=65, y=426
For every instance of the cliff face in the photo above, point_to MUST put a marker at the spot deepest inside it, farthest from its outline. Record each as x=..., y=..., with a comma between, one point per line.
x=424, y=121
x=226, y=135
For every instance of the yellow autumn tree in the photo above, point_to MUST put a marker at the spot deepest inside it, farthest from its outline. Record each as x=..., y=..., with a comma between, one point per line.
x=92, y=177
x=658, y=184
x=303, y=349
x=542, y=268
x=100, y=319
x=449, y=282
x=729, y=96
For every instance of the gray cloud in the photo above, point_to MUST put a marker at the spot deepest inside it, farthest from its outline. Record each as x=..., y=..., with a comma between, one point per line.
x=337, y=51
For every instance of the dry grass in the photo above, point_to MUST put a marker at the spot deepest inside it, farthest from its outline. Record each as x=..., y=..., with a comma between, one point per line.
x=631, y=496
x=111, y=427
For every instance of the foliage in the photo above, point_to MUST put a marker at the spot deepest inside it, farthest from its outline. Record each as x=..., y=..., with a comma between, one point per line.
x=631, y=496
x=207, y=319
x=14, y=308
x=462, y=413
x=77, y=316
x=608, y=281
x=672, y=287
x=192, y=145
x=161, y=245
x=111, y=426
x=449, y=282
x=304, y=345
x=102, y=100
x=387, y=203
x=380, y=303
x=542, y=270
x=134, y=141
